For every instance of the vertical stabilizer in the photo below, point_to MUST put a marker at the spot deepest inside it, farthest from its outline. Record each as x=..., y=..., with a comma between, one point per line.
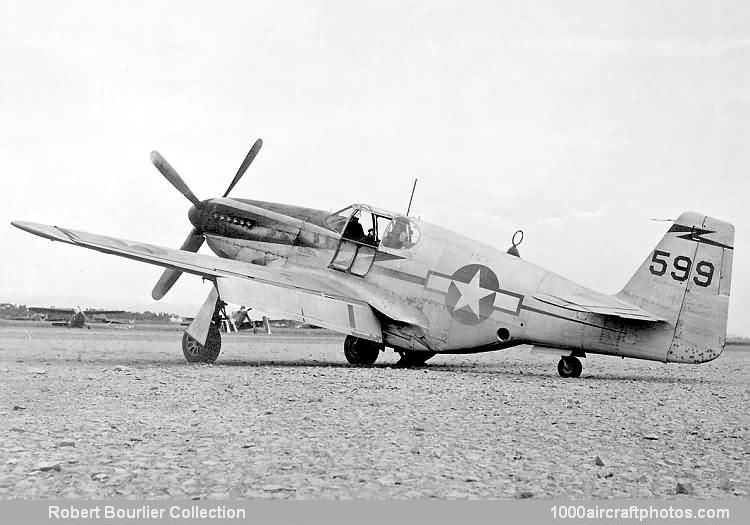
x=686, y=280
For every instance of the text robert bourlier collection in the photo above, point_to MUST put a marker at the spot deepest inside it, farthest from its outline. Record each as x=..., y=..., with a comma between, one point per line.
x=145, y=512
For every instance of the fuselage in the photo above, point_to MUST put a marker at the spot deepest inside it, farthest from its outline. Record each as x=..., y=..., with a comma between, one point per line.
x=468, y=296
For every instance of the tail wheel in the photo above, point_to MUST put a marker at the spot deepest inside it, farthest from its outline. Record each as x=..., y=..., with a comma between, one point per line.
x=411, y=358
x=195, y=352
x=361, y=351
x=569, y=366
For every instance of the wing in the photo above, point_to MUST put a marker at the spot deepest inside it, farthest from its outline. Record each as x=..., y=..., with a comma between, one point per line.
x=94, y=311
x=41, y=310
x=596, y=303
x=302, y=294
x=344, y=314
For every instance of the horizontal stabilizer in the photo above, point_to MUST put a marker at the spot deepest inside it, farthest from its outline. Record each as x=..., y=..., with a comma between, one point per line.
x=599, y=304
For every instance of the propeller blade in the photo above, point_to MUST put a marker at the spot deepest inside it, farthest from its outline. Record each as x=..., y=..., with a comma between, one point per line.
x=192, y=243
x=245, y=164
x=173, y=177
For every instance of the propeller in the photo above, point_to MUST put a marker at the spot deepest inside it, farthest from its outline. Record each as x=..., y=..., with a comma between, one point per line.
x=192, y=243
x=245, y=164
x=195, y=238
x=173, y=177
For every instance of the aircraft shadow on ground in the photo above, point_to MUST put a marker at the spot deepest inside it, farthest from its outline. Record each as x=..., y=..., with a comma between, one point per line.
x=482, y=369
x=486, y=369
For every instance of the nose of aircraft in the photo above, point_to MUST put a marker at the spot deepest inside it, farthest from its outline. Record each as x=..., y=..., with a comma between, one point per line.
x=194, y=215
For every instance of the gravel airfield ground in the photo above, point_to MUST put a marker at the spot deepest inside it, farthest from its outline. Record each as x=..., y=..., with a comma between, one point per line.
x=113, y=413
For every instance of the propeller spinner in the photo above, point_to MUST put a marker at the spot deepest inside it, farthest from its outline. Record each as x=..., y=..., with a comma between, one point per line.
x=195, y=238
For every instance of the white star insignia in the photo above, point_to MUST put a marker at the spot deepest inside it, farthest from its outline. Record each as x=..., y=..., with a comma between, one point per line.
x=471, y=294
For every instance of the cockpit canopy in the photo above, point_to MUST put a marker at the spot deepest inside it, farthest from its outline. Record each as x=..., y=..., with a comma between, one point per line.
x=368, y=225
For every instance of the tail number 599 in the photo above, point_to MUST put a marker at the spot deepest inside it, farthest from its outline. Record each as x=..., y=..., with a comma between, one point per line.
x=682, y=266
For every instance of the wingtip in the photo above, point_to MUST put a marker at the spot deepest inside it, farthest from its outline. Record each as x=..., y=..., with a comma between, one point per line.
x=52, y=233
x=24, y=225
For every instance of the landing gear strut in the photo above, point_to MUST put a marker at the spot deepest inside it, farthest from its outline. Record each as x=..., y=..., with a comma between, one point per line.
x=569, y=366
x=361, y=351
x=210, y=312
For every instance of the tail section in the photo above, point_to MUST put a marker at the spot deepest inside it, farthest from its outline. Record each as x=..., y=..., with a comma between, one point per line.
x=686, y=280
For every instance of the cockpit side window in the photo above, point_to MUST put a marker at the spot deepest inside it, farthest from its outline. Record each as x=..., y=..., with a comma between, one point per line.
x=354, y=230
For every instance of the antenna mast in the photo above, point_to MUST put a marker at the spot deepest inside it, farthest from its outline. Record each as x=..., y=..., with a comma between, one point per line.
x=412, y=196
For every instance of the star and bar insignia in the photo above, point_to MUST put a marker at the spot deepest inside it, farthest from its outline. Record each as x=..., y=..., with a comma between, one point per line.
x=473, y=293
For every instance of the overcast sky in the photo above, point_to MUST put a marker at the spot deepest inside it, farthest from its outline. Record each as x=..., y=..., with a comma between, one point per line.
x=576, y=121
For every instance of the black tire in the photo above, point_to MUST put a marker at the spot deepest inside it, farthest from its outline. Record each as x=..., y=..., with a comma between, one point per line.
x=195, y=352
x=569, y=366
x=361, y=351
x=411, y=358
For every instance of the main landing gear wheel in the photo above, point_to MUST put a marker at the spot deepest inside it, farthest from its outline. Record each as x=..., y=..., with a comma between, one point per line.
x=361, y=351
x=569, y=366
x=195, y=352
x=411, y=358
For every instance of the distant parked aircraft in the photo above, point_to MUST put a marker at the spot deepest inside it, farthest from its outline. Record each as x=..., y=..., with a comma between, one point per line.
x=76, y=317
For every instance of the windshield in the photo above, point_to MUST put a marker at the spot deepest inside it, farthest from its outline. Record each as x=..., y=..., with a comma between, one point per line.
x=337, y=221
